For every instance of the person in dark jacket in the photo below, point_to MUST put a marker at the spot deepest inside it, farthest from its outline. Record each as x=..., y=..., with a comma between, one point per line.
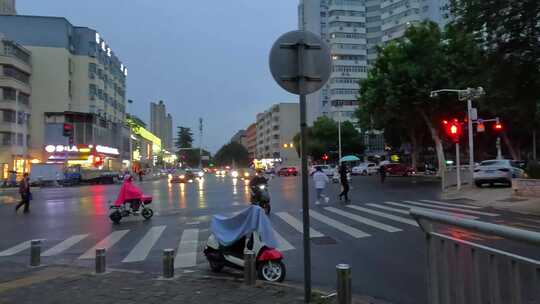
x=343, y=172
x=382, y=173
x=24, y=191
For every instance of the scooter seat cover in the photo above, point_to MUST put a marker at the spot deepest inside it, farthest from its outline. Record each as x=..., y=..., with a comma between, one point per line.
x=228, y=230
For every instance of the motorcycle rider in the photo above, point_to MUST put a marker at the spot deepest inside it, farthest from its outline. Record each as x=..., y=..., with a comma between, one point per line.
x=257, y=180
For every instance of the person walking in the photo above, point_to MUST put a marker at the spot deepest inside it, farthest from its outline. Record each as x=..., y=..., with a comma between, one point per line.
x=320, y=180
x=24, y=191
x=343, y=176
x=382, y=173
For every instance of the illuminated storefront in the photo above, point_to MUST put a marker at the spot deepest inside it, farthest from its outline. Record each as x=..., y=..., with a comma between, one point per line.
x=87, y=156
x=145, y=146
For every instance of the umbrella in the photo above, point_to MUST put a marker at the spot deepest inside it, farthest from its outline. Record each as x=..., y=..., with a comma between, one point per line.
x=349, y=158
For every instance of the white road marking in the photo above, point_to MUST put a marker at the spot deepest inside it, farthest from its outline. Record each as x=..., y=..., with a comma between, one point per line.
x=451, y=205
x=284, y=245
x=65, y=245
x=460, y=215
x=15, y=249
x=143, y=247
x=106, y=243
x=451, y=208
x=385, y=215
x=186, y=255
x=389, y=208
x=363, y=220
x=296, y=224
x=356, y=233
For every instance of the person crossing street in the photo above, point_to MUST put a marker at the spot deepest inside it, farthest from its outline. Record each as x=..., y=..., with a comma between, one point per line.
x=320, y=180
x=24, y=191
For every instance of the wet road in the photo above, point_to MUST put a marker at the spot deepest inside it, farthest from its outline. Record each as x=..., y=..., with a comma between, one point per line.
x=375, y=235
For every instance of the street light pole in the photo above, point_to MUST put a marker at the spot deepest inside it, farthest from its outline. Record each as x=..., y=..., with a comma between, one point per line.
x=339, y=136
x=471, y=140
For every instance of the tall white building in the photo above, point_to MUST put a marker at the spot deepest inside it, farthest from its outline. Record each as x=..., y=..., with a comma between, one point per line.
x=353, y=29
x=161, y=124
x=8, y=7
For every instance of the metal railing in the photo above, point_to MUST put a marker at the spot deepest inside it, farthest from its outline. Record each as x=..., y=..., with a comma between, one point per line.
x=459, y=271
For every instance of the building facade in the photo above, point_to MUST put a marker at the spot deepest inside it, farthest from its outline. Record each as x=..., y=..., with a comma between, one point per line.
x=15, y=92
x=276, y=129
x=8, y=7
x=161, y=123
x=146, y=147
x=251, y=140
x=76, y=79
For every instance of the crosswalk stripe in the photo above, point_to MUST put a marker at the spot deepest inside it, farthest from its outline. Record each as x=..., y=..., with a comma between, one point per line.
x=143, y=247
x=389, y=208
x=363, y=220
x=460, y=215
x=296, y=224
x=15, y=249
x=451, y=208
x=356, y=233
x=106, y=243
x=284, y=245
x=65, y=245
x=385, y=215
x=186, y=255
x=450, y=204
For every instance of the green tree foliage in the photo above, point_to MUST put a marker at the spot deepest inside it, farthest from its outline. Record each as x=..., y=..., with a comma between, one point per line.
x=323, y=139
x=232, y=153
x=507, y=31
x=191, y=157
x=184, y=138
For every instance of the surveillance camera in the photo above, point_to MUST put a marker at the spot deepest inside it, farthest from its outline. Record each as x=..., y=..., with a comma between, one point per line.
x=434, y=95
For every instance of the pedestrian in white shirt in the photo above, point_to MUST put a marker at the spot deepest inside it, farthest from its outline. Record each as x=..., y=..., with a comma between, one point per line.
x=320, y=180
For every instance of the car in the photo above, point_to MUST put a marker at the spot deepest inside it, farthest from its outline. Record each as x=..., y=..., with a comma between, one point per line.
x=497, y=171
x=398, y=169
x=287, y=171
x=365, y=169
x=181, y=177
x=326, y=169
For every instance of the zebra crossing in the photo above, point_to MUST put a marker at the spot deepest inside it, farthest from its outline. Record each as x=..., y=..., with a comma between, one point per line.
x=358, y=221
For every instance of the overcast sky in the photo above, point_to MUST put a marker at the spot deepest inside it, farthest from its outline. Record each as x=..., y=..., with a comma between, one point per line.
x=203, y=58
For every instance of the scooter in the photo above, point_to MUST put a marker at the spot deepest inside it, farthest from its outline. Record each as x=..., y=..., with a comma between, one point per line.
x=132, y=207
x=268, y=260
x=261, y=197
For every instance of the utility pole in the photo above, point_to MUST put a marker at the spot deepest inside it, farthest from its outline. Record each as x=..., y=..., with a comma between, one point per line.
x=339, y=136
x=200, y=141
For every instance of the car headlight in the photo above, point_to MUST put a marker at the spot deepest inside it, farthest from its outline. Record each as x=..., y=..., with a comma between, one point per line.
x=201, y=174
x=234, y=174
x=246, y=174
x=182, y=176
x=262, y=187
x=170, y=176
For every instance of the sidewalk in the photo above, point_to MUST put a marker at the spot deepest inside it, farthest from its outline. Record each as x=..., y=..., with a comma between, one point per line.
x=67, y=284
x=498, y=198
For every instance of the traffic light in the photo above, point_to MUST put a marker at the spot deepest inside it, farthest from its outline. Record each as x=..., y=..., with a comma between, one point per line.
x=325, y=157
x=453, y=129
x=68, y=130
x=498, y=127
x=98, y=160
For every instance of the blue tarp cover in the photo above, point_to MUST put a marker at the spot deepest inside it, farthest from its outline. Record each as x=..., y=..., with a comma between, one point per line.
x=230, y=229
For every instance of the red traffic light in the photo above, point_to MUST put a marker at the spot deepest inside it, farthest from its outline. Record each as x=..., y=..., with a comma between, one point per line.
x=498, y=126
x=68, y=130
x=325, y=157
x=453, y=129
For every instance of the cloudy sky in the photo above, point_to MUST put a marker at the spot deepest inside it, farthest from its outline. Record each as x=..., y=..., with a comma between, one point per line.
x=205, y=59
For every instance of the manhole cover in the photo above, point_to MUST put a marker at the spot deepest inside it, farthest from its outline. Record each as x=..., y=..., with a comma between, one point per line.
x=325, y=240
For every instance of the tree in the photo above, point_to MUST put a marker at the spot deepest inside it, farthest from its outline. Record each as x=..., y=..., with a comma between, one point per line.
x=396, y=93
x=232, y=153
x=191, y=157
x=184, y=138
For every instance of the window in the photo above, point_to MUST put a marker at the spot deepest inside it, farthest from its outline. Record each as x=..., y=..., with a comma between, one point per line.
x=20, y=139
x=92, y=70
x=13, y=72
x=340, y=103
x=9, y=94
x=7, y=138
x=349, y=35
x=349, y=68
x=349, y=46
x=344, y=91
x=24, y=98
x=345, y=80
x=8, y=115
x=92, y=91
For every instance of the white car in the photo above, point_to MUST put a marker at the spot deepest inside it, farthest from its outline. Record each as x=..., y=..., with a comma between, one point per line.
x=326, y=169
x=497, y=171
x=365, y=169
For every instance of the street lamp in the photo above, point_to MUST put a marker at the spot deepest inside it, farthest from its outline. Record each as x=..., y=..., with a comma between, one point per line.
x=467, y=94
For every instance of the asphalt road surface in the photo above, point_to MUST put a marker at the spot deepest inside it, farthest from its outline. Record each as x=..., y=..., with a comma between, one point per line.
x=374, y=234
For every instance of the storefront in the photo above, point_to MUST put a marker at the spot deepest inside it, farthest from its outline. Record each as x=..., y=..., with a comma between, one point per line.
x=87, y=156
x=145, y=147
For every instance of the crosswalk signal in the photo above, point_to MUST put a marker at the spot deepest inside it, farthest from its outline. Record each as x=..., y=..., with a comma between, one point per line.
x=453, y=129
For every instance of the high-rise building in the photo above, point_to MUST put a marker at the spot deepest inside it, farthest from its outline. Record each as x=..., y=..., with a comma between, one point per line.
x=15, y=90
x=161, y=123
x=76, y=79
x=353, y=29
x=251, y=140
x=8, y=7
x=276, y=128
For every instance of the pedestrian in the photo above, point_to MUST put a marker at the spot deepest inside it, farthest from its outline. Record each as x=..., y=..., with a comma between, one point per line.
x=141, y=173
x=382, y=173
x=343, y=176
x=320, y=180
x=24, y=191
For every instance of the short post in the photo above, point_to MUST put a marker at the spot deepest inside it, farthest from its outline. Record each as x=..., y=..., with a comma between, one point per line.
x=458, y=167
x=344, y=293
x=249, y=268
x=35, y=253
x=101, y=264
x=168, y=263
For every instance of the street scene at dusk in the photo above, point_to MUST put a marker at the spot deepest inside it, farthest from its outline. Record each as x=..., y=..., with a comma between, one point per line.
x=309, y=151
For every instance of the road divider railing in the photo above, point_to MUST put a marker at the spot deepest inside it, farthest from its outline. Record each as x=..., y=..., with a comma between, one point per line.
x=459, y=271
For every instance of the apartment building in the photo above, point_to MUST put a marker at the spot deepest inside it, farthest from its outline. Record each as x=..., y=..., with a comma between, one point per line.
x=276, y=129
x=7, y=7
x=251, y=140
x=76, y=78
x=161, y=124
x=15, y=91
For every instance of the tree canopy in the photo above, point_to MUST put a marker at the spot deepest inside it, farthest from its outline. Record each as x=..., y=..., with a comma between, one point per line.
x=232, y=153
x=184, y=138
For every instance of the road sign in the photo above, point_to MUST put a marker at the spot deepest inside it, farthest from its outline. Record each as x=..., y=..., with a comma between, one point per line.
x=300, y=62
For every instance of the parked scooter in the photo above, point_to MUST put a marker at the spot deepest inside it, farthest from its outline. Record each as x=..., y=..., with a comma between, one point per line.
x=227, y=244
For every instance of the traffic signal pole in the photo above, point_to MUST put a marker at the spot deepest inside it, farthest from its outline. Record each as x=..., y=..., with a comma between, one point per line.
x=458, y=167
x=471, y=140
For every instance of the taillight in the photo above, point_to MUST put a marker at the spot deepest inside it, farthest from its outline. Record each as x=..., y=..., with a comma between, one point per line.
x=504, y=170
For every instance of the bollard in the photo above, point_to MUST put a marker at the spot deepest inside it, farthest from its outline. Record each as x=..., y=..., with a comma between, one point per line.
x=344, y=293
x=249, y=268
x=100, y=260
x=35, y=253
x=168, y=263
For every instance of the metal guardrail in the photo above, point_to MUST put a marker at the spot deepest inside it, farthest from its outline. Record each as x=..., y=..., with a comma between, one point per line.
x=460, y=272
